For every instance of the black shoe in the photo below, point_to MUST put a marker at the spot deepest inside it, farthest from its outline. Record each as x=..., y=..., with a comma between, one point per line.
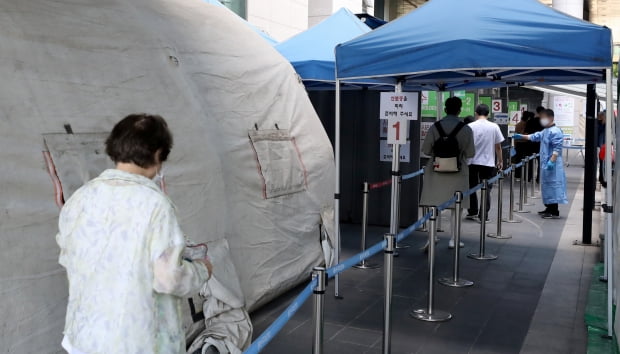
x=550, y=216
x=542, y=212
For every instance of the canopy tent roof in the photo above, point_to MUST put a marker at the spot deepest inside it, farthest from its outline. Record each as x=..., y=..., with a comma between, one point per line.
x=479, y=43
x=312, y=52
x=267, y=37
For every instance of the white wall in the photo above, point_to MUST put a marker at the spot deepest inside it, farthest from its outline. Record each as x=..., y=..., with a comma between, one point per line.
x=320, y=9
x=281, y=19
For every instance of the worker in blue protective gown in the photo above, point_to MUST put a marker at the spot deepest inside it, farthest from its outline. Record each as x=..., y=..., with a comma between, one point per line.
x=553, y=178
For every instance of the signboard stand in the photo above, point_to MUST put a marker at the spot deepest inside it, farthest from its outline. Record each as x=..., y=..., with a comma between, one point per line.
x=398, y=108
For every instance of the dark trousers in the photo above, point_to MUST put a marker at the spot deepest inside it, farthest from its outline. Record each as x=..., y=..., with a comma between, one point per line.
x=553, y=208
x=477, y=174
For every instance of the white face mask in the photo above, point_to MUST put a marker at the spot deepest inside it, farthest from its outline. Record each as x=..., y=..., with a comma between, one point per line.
x=545, y=121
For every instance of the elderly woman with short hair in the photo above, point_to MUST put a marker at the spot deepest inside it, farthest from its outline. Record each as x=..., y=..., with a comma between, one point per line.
x=122, y=247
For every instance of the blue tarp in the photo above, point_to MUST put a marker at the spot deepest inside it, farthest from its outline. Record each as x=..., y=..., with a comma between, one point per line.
x=480, y=43
x=312, y=52
x=254, y=28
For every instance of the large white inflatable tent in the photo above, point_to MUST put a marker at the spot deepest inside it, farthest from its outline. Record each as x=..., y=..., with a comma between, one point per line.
x=251, y=171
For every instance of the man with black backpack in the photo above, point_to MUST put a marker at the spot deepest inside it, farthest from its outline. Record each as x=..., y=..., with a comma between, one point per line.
x=449, y=143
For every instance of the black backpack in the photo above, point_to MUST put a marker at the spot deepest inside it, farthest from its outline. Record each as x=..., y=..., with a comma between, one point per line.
x=446, y=150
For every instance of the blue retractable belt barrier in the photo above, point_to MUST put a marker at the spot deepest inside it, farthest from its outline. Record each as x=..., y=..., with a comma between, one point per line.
x=407, y=232
x=279, y=323
x=445, y=205
x=413, y=174
x=518, y=165
x=346, y=264
x=494, y=179
x=473, y=190
x=507, y=171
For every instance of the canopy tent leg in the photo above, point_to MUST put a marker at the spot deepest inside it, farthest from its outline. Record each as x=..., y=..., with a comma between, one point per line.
x=337, y=189
x=608, y=208
x=395, y=198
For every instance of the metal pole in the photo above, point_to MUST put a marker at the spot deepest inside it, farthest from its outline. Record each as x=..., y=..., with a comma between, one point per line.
x=481, y=256
x=429, y=313
x=609, y=236
x=364, y=264
x=500, y=193
x=455, y=281
x=522, y=189
x=401, y=245
x=395, y=174
x=439, y=227
x=589, y=180
x=424, y=227
x=319, y=310
x=511, y=219
x=526, y=166
x=337, y=190
x=388, y=255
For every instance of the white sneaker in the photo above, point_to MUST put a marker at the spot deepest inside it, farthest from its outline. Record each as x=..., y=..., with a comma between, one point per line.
x=451, y=244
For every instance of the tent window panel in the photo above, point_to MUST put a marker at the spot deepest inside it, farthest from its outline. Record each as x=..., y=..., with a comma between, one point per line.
x=77, y=158
x=279, y=162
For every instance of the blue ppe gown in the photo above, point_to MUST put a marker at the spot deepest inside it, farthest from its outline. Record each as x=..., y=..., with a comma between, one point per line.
x=552, y=181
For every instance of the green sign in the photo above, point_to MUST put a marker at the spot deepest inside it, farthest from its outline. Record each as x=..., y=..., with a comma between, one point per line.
x=513, y=106
x=429, y=104
x=485, y=100
x=469, y=105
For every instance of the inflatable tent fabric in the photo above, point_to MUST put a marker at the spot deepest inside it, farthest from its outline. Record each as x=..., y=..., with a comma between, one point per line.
x=254, y=28
x=80, y=67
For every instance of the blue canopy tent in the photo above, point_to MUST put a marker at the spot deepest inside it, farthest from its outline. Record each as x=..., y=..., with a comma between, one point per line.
x=450, y=42
x=312, y=52
x=254, y=28
x=454, y=44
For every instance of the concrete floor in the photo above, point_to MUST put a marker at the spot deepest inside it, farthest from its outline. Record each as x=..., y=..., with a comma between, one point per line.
x=530, y=300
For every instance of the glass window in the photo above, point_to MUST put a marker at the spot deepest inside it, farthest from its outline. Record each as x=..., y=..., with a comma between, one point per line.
x=238, y=6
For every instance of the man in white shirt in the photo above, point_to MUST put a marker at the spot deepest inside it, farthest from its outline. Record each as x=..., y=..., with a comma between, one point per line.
x=487, y=140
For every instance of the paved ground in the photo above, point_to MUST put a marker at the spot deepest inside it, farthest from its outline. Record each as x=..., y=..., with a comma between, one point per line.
x=529, y=300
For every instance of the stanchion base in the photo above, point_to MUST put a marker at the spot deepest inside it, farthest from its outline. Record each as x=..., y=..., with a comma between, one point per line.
x=602, y=278
x=534, y=197
x=436, y=316
x=367, y=265
x=402, y=246
x=521, y=211
x=482, y=257
x=500, y=236
x=513, y=221
x=460, y=283
x=528, y=204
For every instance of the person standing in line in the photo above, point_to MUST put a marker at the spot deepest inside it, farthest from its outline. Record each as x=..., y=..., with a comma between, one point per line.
x=124, y=251
x=440, y=186
x=521, y=147
x=553, y=181
x=532, y=126
x=488, y=140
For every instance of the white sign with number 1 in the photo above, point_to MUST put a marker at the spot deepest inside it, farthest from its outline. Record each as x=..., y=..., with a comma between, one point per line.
x=397, y=131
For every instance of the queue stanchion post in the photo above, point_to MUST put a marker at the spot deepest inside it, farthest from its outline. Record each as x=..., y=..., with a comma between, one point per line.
x=387, y=282
x=535, y=168
x=424, y=227
x=319, y=309
x=521, y=190
x=526, y=169
x=500, y=200
x=429, y=313
x=401, y=245
x=481, y=255
x=511, y=194
x=456, y=281
x=364, y=264
x=439, y=222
